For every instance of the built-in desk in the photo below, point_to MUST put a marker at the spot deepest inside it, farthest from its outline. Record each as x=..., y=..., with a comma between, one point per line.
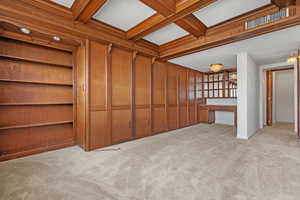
x=206, y=113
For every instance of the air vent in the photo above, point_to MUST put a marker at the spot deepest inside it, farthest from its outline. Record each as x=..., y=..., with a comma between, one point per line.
x=283, y=13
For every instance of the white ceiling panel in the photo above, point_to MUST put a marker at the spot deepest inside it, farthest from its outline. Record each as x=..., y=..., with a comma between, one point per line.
x=123, y=14
x=166, y=34
x=66, y=3
x=270, y=48
x=223, y=10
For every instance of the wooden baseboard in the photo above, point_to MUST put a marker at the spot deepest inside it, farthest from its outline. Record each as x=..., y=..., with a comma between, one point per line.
x=61, y=145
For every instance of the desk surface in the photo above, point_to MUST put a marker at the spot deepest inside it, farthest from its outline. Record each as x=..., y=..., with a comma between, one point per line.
x=219, y=107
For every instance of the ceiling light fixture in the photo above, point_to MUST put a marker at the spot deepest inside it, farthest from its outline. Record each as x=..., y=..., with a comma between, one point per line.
x=233, y=76
x=56, y=38
x=25, y=30
x=216, y=67
x=291, y=59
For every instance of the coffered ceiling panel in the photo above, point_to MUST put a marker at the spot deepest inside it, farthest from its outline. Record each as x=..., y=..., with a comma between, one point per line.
x=66, y=3
x=223, y=10
x=166, y=34
x=123, y=14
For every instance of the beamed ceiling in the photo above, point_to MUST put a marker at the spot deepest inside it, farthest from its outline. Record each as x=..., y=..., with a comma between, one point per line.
x=161, y=28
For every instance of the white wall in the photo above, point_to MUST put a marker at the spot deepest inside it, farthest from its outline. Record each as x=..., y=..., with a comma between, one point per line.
x=223, y=117
x=248, y=96
x=284, y=96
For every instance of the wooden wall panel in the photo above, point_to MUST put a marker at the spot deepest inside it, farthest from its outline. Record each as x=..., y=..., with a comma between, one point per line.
x=99, y=136
x=121, y=126
x=27, y=93
x=13, y=70
x=121, y=69
x=159, y=96
x=143, y=122
x=121, y=77
x=20, y=140
x=159, y=120
x=183, y=97
x=30, y=52
x=173, y=97
x=192, y=97
x=142, y=84
x=31, y=115
x=98, y=74
x=81, y=98
x=173, y=117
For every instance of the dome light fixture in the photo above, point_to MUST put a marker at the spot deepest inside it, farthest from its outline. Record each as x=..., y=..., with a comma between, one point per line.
x=216, y=67
x=233, y=76
x=25, y=30
x=56, y=38
x=291, y=60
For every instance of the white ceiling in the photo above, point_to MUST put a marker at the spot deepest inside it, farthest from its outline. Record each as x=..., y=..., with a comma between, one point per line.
x=270, y=48
x=66, y=3
x=123, y=14
x=166, y=34
x=223, y=10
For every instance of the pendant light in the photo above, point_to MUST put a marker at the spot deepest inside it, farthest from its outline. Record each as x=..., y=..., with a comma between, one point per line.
x=216, y=67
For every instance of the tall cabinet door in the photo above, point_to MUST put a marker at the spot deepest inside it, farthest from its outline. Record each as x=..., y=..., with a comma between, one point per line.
x=192, y=97
x=121, y=75
x=172, y=94
x=183, y=98
x=159, y=92
x=100, y=135
x=142, y=96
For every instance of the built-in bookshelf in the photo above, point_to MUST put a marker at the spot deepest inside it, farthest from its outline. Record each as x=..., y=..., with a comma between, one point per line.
x=220, y=84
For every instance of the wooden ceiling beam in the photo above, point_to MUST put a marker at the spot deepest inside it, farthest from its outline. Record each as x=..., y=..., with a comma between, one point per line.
x=83, y=10
x=193, y=25
x=157, y=21
x=164, y=7
x=283, y=3
x=229, y=32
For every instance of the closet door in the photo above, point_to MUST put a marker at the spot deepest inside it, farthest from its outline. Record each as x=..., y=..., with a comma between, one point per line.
x=159, y=98
x=121, y=74
x=142, y=96
x=172, y=92
x=100, y=135
x=192, y=97
x=183, y=97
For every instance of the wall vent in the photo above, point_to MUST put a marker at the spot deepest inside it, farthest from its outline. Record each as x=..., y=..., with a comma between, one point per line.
x=283, y=13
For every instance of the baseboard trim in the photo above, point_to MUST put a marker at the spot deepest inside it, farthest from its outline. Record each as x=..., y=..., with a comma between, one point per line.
x=42, y=149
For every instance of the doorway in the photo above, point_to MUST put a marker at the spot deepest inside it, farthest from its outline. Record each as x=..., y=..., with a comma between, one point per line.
x=280, y=96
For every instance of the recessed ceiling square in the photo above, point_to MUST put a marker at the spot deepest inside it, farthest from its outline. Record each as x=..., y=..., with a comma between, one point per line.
x=123, y=14
x=223, y=10
x=66, y=3
x=166, y=34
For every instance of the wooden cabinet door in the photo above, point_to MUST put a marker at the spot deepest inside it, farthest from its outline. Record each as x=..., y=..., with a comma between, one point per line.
x=121, y=75
x=192, y=97
x=159, y=90
x=183, y=98
x=100, y=134
x=142, y=96
x=172, y=93
x=121, y=126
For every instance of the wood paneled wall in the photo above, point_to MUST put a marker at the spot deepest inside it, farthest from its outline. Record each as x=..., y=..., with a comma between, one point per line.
x=36, y=101
x=128, y=96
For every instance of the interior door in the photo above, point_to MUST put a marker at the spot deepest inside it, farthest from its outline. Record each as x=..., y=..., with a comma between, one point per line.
x=121, y=75
x=269, y=96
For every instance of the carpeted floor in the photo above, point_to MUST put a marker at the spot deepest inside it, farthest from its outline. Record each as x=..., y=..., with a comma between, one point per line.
x=203, y=162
